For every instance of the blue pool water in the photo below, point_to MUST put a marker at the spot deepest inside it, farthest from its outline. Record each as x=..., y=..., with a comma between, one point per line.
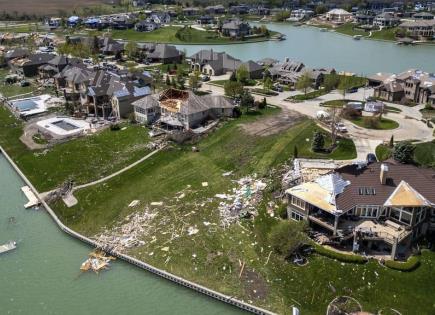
x=26, y=105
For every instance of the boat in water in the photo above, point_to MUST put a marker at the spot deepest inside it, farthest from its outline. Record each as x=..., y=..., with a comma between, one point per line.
x=357, y=37
x=11, y=245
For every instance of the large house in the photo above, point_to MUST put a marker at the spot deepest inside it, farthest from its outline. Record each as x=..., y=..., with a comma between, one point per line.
x=386, y=20
x=213, y=63
x=236, y=28
x=338, y=16
x=181, y=110
x=412, y=85
x=163, y=53
x=299, y=15
x=379, y=208
x=420, y=29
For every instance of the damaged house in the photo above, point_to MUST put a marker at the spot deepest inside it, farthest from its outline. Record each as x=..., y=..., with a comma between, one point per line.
x=379, y=208
x=181, y=110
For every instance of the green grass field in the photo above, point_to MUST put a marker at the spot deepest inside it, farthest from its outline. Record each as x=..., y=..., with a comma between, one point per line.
x=425, y=154
x=384, y=124
x=85, y=159
x=186, y=36
x=9, y=90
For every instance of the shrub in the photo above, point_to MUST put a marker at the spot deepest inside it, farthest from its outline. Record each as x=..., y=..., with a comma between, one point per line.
x=404, y=152
x=351, y=113
x=318, y=143
x=115, y=127
x=371, y=122
x=282, y=211
x=411, y=264
x=355, y=259
x=286, y=236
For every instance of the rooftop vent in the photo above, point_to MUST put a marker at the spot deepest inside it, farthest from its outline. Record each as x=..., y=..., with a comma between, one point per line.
x=383, y=174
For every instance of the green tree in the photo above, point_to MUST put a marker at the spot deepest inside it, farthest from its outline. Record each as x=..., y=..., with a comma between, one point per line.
x=318, y=143
x=304, y=83
x=194, y=80
x=233, y=88
x=391, y=144
x=233, y=76
x=295, y=152
x=344, y=85
x=331, y=82
x=180, y=78
x=242, y=74
x=267, y=84
x=131, y=50
x=286, y=237
x=168, y=80
x=247, y=100
x=404, y=152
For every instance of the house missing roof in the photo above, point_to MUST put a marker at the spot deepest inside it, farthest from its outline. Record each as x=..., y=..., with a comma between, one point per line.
x=380, y=208
x=181, y=110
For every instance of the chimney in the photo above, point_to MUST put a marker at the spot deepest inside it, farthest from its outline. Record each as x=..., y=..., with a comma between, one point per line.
x=287, y=59
x=383, y=174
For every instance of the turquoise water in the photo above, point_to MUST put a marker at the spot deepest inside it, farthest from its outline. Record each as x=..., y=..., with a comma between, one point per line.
x=331, y=50
x=42, y=275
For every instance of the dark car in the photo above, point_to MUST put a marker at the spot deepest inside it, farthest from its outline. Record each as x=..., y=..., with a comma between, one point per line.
x=371, y=158
x=352, y=90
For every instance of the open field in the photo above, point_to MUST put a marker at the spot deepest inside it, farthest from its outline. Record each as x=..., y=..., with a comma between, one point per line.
x=44, y=7
x=83, y=160
x=167, y=34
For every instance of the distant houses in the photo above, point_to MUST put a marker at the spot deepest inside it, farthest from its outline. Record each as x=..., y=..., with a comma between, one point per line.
x=235, y=28
x=338, y=16
x=163, y=53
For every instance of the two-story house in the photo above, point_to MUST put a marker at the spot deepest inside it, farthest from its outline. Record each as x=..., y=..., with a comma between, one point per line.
x=379, y=208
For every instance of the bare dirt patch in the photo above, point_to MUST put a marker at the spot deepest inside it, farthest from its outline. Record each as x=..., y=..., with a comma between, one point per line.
x=273, y=124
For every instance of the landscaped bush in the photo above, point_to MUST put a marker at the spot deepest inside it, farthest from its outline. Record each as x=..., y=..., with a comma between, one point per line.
x=411, y=264
x=355, y=259
x=351, y=113
x=371, y=122
x=264, y=92
x=310, y=95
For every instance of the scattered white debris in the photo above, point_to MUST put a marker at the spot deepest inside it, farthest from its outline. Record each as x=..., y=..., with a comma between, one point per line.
x=134, y=203
x=206, y=223
x=165, y=249
x=123, y=128
x=227, y=173
x=157, y=203
x=192, y=230
x=204, y=184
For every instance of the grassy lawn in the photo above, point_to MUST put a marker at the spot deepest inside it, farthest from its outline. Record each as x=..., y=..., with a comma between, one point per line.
x=348, y=29
x=384, y=124
x=309, y=95
x=9, y=90
x=335, y=103
x=83, y=160
x=385, y=34
x=383, y=152
x=168, y=34
x=222, y=82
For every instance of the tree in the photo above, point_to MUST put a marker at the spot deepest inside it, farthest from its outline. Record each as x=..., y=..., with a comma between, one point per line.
x=180, y=78
x=335, y=117
x=304, y=83
x=157, y=80
x=263, y=104
x=168, y=80
x=404, y=152
x=246, y=100
x=233, y=88
x=233, y=76
x=331, y=81
x=242, y=74
x=286, y=237
x=173, y=83
x=318, y=143
x=131, y=50
x=391, y=141
x=344, y=85
x=194, y=80
x=320, y=9
x=267, y=84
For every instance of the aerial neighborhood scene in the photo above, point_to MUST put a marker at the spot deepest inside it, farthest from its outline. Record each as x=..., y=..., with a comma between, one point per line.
x=191, y=157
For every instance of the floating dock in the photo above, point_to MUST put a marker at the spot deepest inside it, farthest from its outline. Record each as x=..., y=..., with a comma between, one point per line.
x=33, y=200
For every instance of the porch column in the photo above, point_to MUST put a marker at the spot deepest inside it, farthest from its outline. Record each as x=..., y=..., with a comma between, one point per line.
x=394, y=249
x=335, y=224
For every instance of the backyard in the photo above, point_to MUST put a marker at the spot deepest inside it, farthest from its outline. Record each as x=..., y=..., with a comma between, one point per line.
x=9, y=90
x=83, y=160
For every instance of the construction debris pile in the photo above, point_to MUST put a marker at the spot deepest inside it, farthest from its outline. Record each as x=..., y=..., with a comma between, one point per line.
x=242, y=202
x=128, y=234
x=157, y=144
x=97, y=261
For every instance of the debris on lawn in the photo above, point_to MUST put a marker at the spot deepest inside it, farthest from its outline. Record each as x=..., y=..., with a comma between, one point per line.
x=157, y=144
x=242, y=202
x=128, y=234
x=192, y=230
x=157, y=203
x=227, y=174
x=204, y=184
x=134, y=203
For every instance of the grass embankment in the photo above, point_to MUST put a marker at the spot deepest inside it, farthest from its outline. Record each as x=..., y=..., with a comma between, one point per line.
x=84, y=159
x=383, y=124
x=309, y=96
x=350, y=29
x=424, y=154
x=222, y=82
x=180, y=35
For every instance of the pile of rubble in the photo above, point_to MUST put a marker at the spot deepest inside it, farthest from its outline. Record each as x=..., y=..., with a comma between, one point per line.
x=242, y=201
x=128, y=234
x=157, y=144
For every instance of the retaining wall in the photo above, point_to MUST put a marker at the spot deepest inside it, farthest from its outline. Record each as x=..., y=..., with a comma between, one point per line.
x=186, y=283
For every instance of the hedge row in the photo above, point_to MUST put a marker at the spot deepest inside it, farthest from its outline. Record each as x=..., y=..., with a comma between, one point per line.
x=411, y=264
x=356, y=259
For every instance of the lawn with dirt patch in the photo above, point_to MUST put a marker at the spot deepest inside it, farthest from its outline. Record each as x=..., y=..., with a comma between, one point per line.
x=383, y=124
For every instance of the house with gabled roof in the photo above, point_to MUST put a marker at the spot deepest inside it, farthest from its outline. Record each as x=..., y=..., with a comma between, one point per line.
x=379, y=208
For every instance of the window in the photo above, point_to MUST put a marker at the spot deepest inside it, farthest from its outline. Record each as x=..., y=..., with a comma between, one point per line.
x=366, y=191
x=367, y=211
x=298, y=202
x=296, y=216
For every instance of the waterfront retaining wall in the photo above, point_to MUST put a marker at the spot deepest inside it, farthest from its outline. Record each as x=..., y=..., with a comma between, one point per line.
x=159, y=272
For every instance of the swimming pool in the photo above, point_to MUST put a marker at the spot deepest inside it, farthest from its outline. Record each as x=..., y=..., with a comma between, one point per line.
x=26, y=105
x=65, y=125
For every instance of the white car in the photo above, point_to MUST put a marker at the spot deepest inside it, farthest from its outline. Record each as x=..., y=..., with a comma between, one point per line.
x=341, y=127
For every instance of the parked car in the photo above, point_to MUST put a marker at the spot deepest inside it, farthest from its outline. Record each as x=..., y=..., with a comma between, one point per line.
x=340, y=127
x=24, y=83
x=205, y=78
x=352, y=90
x=371, y=158
x=278, y=88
